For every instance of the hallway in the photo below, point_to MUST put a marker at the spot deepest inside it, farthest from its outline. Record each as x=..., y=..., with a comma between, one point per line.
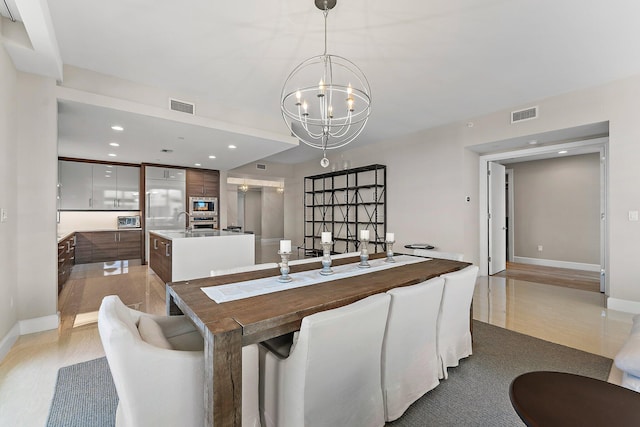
x=569, y=278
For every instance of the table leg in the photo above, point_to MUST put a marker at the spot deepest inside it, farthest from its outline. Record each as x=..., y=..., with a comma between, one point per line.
x=223, y=373
x=172, y=307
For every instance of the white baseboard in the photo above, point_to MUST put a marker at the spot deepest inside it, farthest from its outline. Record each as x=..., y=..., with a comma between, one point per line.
x=8, y=340
x=39, y=324
x=623, y=305
x=559, y=264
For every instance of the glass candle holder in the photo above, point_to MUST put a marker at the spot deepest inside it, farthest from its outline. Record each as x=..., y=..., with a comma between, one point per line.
x=284, y=267
x=390, y=251
x=326, y=259
x=364, y=253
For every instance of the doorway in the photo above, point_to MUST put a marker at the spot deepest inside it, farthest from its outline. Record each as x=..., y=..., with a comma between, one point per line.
x=596, y=145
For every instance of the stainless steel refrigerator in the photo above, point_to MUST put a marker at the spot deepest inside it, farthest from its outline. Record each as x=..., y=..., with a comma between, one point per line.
x=165, y=190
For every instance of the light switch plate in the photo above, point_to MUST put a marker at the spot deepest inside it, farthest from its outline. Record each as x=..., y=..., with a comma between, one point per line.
x=3, y=215
x=633, y=215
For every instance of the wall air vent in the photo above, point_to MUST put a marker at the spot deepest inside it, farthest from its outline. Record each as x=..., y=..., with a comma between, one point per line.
x=261, y=166
x=182, y=106
x=526, y=114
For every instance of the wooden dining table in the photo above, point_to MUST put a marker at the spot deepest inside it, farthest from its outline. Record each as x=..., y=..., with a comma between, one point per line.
x=228, y=326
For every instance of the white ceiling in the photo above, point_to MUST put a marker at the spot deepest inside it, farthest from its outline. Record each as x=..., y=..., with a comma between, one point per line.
x=429, y=62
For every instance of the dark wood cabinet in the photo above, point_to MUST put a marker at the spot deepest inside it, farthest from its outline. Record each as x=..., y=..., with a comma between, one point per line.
x=66, y=259
x=202, y=182
x=160, y=256
x=129, y=244
x=103, y=246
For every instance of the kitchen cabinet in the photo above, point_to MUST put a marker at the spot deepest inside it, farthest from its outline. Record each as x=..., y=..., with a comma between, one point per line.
x=76, y=185
x=116, y=187
x=202, y=182
x=98, y=186
x=167, y=174
x=103, y=246
x=160, y=256
x=66, y=259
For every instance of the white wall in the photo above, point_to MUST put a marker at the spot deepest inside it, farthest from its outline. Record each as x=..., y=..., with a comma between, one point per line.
x=253, y=211
x=8, y=201
x=272, y=214
x=90, y=221
x=557, y=207
x=37, y=172
x=427, y=182
x=232, y=206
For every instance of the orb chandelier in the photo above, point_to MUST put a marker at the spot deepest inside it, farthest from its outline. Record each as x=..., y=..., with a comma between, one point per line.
x=326, y=100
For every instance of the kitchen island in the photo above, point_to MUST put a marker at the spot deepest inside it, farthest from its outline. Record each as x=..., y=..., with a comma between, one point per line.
x=177, y=255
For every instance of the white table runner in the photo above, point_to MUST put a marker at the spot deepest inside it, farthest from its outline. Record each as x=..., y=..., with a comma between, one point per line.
x=267, y=285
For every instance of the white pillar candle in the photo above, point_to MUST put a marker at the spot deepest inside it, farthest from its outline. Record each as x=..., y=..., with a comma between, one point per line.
x=364, y=234
x=285, y=245
x=391, y=237
x=326, y=237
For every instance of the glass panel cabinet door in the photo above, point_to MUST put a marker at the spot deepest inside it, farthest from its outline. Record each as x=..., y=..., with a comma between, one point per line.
x=76, y=183
x=128, y=188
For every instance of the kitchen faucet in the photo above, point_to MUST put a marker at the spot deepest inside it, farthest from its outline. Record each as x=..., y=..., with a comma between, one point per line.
x=188, y=215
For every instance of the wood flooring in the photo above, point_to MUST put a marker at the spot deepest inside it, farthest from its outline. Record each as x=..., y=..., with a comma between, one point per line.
x=565, y=277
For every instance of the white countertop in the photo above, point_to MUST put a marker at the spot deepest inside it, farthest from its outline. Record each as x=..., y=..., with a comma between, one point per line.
x=184, y=234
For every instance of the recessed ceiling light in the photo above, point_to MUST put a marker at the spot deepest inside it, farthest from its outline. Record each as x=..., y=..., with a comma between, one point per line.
x=117, y=128
x=212, y=157
x=112, y=155
x=114, y=144
x=563, y=152
x=232, y=147
x=197, y=164
x=533, y=142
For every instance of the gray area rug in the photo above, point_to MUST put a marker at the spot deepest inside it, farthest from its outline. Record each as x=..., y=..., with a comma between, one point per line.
x=84, y=396
x=475, y=394
x=477, y=391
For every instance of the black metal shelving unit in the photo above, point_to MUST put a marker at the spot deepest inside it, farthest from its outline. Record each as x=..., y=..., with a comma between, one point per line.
x=345, y=202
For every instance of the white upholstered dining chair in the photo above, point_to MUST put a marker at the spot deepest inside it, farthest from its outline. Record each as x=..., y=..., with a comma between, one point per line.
x=410, y=365
x=454, y=332
x=157, y=364
x=332, y=374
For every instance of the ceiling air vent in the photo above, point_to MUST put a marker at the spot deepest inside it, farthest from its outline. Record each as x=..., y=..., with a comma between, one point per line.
x=526, y=114
x=261, y=166
x=181, y=106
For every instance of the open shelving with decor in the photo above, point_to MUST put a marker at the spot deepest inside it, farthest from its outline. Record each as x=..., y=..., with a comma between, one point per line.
x=345, y=202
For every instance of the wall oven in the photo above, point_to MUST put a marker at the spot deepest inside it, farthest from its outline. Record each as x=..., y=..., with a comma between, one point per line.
x=203, y=212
